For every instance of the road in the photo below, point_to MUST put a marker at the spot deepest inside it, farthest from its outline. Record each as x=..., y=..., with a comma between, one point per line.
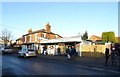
x=13, y=65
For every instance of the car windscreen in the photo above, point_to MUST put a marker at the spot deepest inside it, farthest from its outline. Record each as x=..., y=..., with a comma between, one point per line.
x=6, y=48
x=23, y=50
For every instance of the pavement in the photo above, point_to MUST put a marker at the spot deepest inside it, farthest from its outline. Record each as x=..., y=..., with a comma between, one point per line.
x=96, y=63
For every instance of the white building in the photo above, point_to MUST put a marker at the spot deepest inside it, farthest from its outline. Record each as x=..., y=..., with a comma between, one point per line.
x=53, y=44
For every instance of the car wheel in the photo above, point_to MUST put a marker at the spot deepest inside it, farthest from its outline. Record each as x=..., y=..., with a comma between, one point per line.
x=10, y=53
x=18, y=56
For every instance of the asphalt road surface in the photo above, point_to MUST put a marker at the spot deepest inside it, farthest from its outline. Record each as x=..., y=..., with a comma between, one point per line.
x=13, y=65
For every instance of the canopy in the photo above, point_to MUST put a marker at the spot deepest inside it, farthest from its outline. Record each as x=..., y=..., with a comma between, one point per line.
x=62, y=40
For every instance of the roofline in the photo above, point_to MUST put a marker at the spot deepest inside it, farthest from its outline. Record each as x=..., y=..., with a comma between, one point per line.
x=34, y=32
x=62, y=42
x=29, y=43
x=19, y=38
x=41, y=31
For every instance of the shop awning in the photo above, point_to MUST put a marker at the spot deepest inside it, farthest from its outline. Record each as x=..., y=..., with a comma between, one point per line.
x=62, y=40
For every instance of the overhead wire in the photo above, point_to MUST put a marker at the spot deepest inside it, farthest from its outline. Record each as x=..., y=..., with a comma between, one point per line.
x=4, y=26
x=14, y=28
x=30, y=10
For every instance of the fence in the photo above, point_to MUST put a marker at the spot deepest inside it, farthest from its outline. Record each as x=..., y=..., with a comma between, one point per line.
x=94, y=50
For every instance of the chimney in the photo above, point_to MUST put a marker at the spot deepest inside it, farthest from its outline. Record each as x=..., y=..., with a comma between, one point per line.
x=48, y=28
x=30, y=31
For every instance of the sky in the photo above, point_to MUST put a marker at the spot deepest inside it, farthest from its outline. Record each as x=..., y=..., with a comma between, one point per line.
x=66, y=18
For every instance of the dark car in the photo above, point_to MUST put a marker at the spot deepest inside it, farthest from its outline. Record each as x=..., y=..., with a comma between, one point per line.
x=6, y=50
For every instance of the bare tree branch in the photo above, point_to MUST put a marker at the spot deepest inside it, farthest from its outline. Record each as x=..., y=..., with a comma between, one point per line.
x=6, y=36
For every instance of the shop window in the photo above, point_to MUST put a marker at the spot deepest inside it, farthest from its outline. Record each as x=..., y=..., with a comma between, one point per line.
x=43, y=35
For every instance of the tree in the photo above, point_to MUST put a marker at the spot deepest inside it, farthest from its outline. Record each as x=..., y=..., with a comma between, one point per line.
x=85, y=36
x=6, y=36
x=109, y=37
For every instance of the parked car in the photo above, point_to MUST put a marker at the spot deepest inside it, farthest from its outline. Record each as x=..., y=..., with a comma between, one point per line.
x=27, y=52
x=6, y=50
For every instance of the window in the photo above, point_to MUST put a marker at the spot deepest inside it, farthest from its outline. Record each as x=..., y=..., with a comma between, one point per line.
x=43, y=36
x=30, y=38
x=36, y=37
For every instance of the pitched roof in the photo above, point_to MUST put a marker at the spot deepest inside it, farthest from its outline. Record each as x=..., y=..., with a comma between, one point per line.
x=94, y=38
x=62, y=40
x=19, y=39
x=42, y=30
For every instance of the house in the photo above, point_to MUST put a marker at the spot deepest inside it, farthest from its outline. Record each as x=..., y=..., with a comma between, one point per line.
x=95, y=38
x=19, y=42
x=32, y=39
x=1, y=43
x=5, y=42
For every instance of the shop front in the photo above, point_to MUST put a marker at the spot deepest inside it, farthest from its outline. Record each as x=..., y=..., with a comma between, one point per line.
x=34, y=46
x=62, y=43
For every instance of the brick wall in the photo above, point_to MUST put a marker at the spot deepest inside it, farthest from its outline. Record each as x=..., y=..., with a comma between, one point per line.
x=40, y=34
x=28, y=39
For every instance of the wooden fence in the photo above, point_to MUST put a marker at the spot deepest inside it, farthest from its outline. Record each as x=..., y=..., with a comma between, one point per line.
x=94, y=50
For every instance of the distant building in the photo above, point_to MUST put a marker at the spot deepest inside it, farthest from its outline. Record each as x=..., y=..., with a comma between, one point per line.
x=19, y=42
x=1, y=43
x=95, y=38
x=33, y=38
